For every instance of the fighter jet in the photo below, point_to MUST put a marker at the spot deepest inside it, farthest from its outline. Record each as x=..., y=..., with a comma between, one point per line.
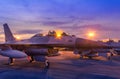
x=39, y=46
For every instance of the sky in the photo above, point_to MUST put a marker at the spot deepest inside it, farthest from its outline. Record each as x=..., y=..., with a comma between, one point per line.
x=77, y=17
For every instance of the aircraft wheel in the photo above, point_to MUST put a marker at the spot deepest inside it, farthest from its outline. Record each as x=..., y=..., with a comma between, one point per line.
x=47, y=64
x=31, y=59
x=90, y=57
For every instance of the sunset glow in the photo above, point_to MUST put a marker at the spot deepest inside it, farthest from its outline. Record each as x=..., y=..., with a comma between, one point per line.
x=91, y=34
x=17, y=37
x=59, y=33
x=36, y=16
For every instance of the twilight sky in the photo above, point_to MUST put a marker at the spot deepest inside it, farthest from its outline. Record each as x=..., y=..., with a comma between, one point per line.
x=28, y=17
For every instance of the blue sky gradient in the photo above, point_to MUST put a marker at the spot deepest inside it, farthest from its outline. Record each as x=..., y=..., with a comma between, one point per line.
x=73, y=16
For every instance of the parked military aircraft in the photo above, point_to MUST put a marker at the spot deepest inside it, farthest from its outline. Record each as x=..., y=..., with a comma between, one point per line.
x=39, y=46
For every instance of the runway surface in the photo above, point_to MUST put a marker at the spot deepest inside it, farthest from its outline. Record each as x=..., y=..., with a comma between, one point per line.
x=66, y=66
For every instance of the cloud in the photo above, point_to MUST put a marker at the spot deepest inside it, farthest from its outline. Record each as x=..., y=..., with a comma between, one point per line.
x=53, y=23
x=93, y=26
x=28, y=31
x=102, y=15
x=98, y=27
x=1, y=32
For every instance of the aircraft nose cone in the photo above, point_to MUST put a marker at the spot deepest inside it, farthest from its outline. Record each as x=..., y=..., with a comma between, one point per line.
x=85, y=43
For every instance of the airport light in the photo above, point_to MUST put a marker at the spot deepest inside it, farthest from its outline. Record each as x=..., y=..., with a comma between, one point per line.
x=17, y=37
x=59, y=33
x=91, y=34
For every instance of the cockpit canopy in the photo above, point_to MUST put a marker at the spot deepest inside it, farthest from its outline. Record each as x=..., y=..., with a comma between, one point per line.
x=38, y=35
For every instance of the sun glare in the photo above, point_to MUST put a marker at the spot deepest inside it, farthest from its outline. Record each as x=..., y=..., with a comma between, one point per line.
x=59, y=33
x=91, y=34
x=17, y=37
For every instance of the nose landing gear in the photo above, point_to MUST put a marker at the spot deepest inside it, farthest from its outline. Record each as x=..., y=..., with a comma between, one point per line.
x=47, y=64
x=11, y=61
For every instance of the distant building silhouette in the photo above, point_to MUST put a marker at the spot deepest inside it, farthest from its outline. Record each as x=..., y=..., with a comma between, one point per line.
x=110, y=41
x=118, y=41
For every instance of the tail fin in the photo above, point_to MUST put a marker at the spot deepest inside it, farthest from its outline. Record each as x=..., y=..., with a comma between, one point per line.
x=8, y=34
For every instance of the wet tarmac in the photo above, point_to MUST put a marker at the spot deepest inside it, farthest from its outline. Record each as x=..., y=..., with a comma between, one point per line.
x=66, y=66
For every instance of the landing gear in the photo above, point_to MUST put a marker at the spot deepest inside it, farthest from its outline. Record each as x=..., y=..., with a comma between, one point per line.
x=31, y=59
x=10, y=61
x=47, y=64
